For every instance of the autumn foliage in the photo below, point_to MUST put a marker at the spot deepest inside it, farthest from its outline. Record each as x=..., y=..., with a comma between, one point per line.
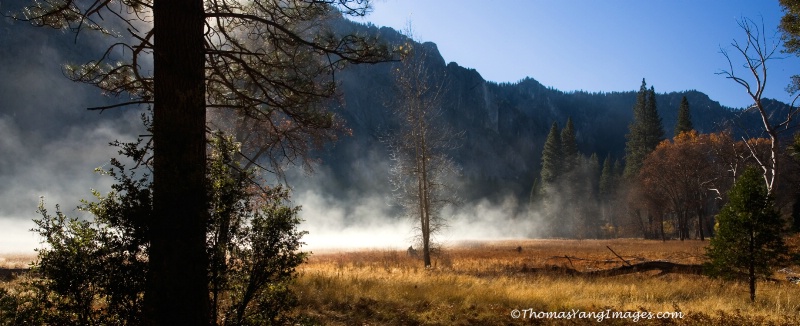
x=684, y=181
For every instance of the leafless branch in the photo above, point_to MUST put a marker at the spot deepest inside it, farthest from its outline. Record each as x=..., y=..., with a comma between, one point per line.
x=103, y=108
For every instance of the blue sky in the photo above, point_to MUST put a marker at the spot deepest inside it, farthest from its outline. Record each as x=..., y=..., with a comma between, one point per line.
x=596, y=45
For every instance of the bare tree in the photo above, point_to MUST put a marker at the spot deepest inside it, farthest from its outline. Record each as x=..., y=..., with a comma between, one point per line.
x=422, y=170
x=268, y=60
x=756, y=51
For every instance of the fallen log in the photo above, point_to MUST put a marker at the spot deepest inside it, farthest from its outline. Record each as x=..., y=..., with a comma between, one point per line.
x=664, y=267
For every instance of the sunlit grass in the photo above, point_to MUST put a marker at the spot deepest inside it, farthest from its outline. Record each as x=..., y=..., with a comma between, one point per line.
x=481, y=283
x=16, y=260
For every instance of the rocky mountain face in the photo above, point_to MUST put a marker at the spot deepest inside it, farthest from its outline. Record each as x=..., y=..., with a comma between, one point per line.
x=504, y=124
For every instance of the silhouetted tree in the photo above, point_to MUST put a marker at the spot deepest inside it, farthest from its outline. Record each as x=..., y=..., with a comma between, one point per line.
x=552, y=158
x=569, y=147
x=270, y=60
x=645, y=132
x=684, y=123
x=93, y=271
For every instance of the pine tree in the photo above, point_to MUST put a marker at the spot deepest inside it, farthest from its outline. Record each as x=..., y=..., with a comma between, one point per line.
x=645, y=132
x=619, y=169
x=635, y=143
x=267, y=59
x=684, y=118
x=749, y=229
x=593, y=172
x=569, y=147
x=607, y=178
x=654, y=127
x=607, y=190
x=552, y=159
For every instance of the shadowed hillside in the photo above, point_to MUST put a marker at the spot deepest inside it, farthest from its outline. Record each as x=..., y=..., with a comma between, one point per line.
x=505, y=124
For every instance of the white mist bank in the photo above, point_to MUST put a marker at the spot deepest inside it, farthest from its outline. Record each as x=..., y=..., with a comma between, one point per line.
x=368, y=223
x=16, y=238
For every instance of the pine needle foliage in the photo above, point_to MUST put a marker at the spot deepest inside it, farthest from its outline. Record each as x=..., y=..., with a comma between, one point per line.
x=749, y=241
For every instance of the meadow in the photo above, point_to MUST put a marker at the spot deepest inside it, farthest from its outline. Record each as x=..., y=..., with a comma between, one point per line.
x=517, y=282
x=491, y=283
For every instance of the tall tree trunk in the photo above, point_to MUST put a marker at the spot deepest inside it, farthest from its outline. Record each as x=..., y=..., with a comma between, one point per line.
x=177, y=283
x=700, y=224
x=752, y=268
x=425, y=202
x=426, y=234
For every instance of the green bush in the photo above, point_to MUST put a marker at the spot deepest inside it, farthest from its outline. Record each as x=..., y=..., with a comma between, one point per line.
x=93, y=272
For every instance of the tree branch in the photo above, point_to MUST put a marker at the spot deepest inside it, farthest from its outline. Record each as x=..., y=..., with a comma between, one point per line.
x=103, y=108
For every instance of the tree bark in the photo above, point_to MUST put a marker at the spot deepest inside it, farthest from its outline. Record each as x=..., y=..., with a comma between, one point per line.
x=751, y=273
x=426, y=232
x=700, y=223
x=177, y=282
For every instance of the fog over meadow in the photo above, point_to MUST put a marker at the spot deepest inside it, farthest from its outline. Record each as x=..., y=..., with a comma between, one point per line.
x=371, y=219
x=51, y=145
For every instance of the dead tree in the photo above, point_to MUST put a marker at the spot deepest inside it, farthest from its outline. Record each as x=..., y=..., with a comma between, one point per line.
x=422, y=170
x=756, y=51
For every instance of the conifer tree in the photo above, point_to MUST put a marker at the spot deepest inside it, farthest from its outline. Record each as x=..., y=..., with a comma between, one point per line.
x=635, y=143
x=619, y=169
x=749, y=228
x=607, y=179
x=684, y=118
x=645, y=132
x=552, y=159
x=594, y=172
x=607, y=189
x=569, y=147
x=273, y=61
x=654, y=127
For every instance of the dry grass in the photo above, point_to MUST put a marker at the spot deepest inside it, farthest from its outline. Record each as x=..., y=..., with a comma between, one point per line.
x=11, y=266
x=481, y=283
x=16, y=260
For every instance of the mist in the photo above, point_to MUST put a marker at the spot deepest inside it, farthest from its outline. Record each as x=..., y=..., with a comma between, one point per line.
x=363, y=214
x=51, y=146
x=50, y=143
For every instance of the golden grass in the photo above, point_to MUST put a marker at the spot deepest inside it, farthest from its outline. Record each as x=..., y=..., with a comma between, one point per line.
x=16, y=260
x=481, y=283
